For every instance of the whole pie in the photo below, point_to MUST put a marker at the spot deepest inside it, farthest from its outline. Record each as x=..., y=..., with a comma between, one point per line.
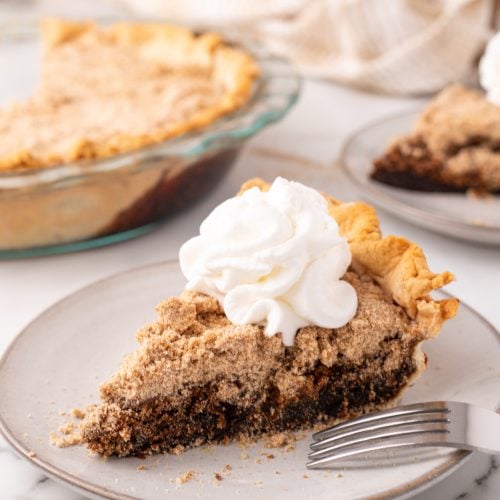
x=108, y=90
x=198, y=377
x=454, y=146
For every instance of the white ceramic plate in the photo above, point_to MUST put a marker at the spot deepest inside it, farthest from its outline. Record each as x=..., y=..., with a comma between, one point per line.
x=57, y=362
x=453, y=214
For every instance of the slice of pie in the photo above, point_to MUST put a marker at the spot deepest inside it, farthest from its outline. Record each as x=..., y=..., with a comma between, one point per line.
x=110, y=89
x=199, y=378
x=454, y=146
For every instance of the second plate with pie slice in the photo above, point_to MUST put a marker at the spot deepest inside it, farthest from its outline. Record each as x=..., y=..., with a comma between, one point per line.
x=458, y=215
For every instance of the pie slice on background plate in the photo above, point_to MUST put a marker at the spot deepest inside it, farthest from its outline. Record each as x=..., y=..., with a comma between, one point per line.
x=199, y=378
x=454, y=146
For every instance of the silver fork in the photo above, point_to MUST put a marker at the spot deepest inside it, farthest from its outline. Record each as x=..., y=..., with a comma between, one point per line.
x=438, y=423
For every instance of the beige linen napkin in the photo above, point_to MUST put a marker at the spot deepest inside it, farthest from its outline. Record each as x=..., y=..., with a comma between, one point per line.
x=396, y=46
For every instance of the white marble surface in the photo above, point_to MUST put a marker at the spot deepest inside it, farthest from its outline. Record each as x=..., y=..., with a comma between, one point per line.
x=314, y=132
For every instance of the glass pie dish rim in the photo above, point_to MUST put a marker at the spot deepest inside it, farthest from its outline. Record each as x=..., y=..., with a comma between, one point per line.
x=222, y=134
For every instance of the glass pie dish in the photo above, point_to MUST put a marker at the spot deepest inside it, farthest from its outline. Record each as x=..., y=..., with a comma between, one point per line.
x=92, y=203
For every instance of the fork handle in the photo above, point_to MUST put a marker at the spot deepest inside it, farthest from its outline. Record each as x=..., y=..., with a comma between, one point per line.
x=481, y=429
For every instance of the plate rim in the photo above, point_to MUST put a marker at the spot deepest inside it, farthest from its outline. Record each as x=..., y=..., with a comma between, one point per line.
x=397, y=206
x=420, y=483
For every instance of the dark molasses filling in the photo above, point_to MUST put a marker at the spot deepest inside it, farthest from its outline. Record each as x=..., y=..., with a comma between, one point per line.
x=172, y=193
x=409, y=164
x=339, y=392
x=412, y=166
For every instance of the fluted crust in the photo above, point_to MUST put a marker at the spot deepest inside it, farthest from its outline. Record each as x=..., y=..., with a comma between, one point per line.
x=398, y=265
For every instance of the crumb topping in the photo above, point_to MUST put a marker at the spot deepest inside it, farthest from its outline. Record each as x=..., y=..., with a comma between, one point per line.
x=185, y=477
x=458, y=116
x=110, y=90
x=71, y=438
x=77, y=413
x=198, y=378
x=285, y=440
x=455, y=142
x=179, y=350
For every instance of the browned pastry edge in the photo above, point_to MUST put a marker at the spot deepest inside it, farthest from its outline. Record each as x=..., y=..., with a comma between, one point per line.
x=398, y=265
x=198, y=378
x=233, y=67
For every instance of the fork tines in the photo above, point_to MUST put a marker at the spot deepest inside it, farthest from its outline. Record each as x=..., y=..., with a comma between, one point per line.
x=409, y=426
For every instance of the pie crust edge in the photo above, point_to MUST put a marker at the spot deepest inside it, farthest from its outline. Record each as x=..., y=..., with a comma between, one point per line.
x=233, y=67
x=398, y=265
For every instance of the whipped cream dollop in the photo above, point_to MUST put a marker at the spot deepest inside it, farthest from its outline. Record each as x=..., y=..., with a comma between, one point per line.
x=273, y=258
x=489, y=70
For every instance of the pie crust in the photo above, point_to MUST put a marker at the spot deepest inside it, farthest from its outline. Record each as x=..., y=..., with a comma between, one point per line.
x=396, y=264
x=197, y=378
x=454, y=146
x=109, y=90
